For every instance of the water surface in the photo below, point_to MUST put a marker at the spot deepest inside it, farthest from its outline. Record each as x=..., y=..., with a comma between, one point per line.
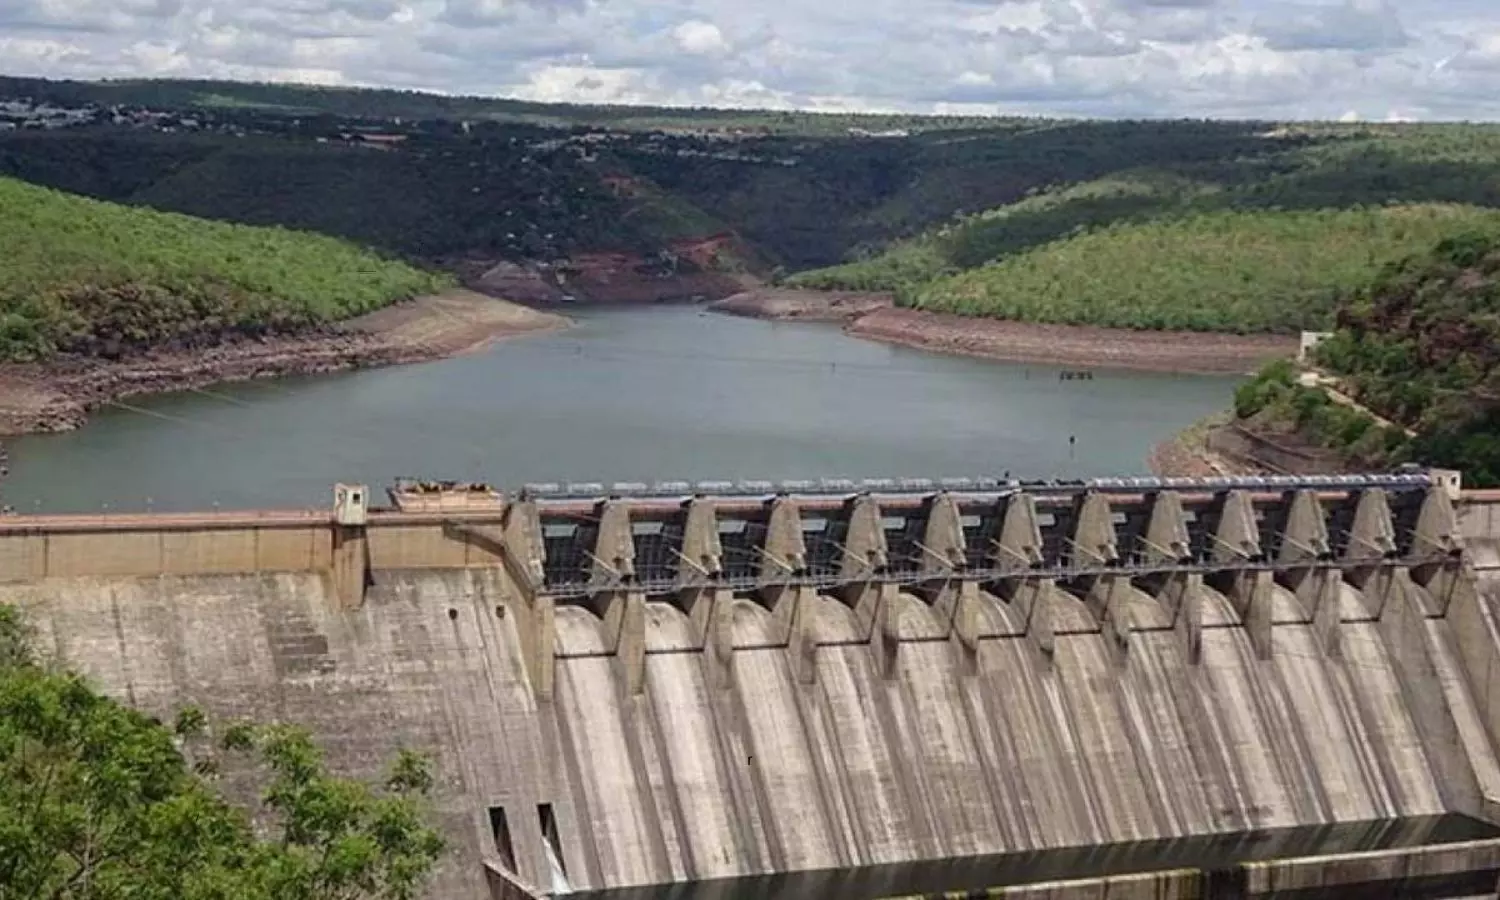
x=644, y=394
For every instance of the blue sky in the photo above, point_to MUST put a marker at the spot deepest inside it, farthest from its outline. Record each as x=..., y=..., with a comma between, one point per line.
x=1328, y=59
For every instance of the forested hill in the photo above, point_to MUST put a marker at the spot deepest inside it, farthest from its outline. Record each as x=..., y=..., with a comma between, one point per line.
x=435, y=177
x=1229, y=225
x=1256, y=242
x=93, y=278
x=1420, y=346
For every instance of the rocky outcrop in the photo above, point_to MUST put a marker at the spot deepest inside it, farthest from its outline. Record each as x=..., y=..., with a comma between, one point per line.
x=805, y=306
x=688, y=275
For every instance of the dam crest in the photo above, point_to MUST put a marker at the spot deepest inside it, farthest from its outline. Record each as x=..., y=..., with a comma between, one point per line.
x=635, y=686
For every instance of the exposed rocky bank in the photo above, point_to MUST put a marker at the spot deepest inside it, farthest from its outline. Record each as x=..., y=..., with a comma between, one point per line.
x=874, y=316
x=803, y=305
x=58, y=395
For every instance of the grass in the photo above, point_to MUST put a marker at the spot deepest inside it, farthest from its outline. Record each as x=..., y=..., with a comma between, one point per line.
x=87, y=276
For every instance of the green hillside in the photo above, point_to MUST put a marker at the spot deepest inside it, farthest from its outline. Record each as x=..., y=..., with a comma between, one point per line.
x=835, y=199
x=89, y=277
x=436, y=178
x=1014, y=228
x=1420, y=346
x=1227, y=271
x=1299, y=170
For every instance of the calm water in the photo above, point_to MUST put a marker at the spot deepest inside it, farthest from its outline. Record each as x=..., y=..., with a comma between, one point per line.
x=632, y=395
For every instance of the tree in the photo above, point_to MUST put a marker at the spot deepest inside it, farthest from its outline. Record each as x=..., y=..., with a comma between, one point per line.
x=98, y=801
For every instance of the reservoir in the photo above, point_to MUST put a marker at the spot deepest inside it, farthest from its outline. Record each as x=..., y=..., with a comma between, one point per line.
x=644, y=394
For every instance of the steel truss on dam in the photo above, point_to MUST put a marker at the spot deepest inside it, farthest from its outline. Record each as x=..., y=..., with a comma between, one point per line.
x=1106, y=542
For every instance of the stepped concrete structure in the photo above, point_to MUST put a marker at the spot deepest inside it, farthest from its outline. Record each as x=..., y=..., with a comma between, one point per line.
x=1115, y=688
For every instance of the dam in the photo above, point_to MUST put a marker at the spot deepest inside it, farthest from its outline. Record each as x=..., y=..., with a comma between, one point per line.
x=1116, y=688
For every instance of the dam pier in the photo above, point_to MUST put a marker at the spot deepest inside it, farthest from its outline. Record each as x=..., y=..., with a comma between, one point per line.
x=1122, y=688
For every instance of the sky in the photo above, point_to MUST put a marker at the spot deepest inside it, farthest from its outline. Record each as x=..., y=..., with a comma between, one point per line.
x=1277, y=59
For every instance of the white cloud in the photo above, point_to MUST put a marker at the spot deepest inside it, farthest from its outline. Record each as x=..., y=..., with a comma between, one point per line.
x=700, y=37
x=1262, y=58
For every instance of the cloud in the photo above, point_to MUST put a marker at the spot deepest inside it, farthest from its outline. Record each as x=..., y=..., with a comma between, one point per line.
x=700, y=37
x=1349, y=25
x=1260, y=58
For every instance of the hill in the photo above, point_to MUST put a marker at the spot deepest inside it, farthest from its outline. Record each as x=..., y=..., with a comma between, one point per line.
x=1418, y=347
x=431, y=198
x=1227, y=271
x=891, y=203
x=1297, y=169
x=85, y=277
x=415, y=175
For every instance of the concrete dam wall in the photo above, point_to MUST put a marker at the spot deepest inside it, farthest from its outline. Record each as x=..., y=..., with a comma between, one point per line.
x=636, y=690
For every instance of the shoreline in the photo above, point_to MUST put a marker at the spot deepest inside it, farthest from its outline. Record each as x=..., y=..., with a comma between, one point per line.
x=59, y=395
x=1186, y=454
x=874, y=316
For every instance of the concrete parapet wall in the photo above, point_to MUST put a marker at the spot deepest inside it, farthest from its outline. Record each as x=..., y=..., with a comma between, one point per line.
x=1479, y=515
x=104, y=549
x=124, y=546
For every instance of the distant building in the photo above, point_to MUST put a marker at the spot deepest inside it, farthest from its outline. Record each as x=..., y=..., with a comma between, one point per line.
x=1309, y=340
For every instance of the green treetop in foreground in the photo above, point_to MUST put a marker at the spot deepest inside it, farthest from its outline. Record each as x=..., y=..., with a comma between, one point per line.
x=97, y=802
x=95, y=278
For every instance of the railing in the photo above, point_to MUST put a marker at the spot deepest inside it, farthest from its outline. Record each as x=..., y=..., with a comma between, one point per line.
x=981, y=485
x=1134, y=566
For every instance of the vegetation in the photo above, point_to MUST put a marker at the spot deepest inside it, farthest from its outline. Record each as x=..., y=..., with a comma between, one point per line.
x=851, y=198
x=1419, y=346
x=1231, y=271
x=994, y=234
x=966, y=214
x=85, y=277
x=1294, y=169
x=427, y=200
x=99, y=802
x=1275, y=401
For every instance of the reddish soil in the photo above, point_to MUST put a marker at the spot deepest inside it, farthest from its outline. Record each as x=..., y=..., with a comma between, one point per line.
x=57, y=396
x=628, y=278
x=624, y=278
